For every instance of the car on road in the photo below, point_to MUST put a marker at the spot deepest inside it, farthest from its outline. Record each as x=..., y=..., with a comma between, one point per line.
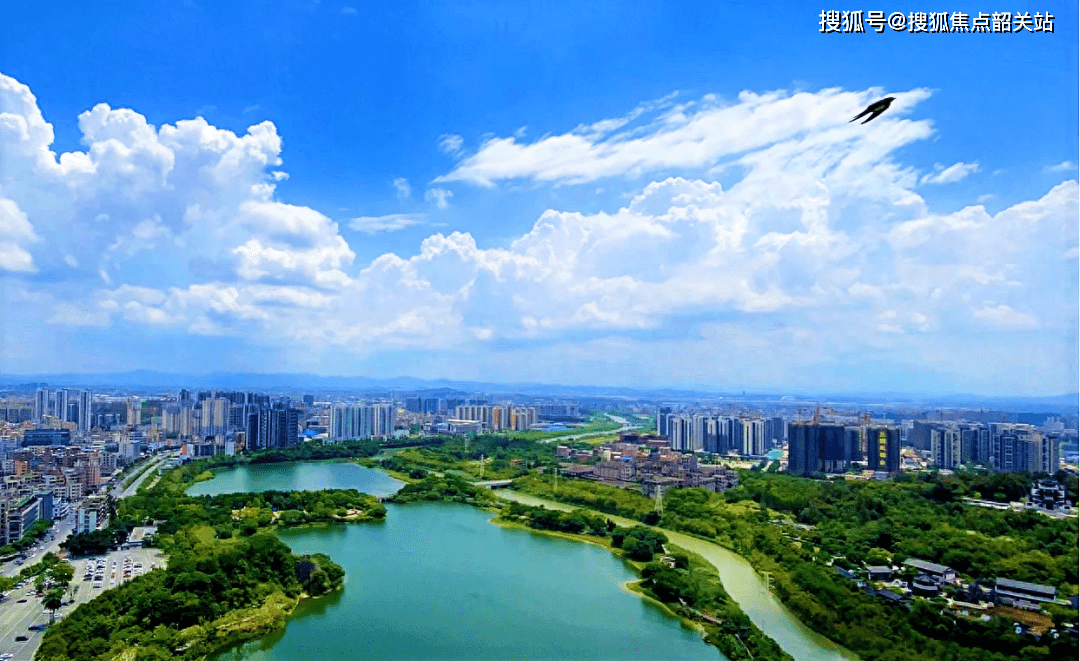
x=37, y=627
x=22, y=601
x=20, y=639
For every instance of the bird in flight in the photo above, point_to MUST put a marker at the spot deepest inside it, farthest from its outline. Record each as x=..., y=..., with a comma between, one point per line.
x=877, y=107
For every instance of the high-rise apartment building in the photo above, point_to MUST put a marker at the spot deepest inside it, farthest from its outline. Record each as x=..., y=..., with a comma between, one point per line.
x=214, y=417
x=61, y=404
x=134, y=412
x=273, y=427
x=41, y=404
x=945, y=447
x=86, y=399
x=817, y=448
x=360, y=421
x=919, y=436
x=883, y=449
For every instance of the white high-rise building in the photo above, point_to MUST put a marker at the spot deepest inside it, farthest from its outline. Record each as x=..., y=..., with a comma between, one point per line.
x=41, y=404
x=360, y=421
x=215, y=416
x=62, y=404
x=754, y=436
x=86, y=399
x=134, y=412
x=682, y=433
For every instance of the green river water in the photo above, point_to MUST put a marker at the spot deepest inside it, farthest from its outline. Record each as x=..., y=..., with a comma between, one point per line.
x=438, y=581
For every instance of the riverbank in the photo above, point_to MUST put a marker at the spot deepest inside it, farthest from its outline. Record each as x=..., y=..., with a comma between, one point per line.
x=739, y=579
x=684, y=583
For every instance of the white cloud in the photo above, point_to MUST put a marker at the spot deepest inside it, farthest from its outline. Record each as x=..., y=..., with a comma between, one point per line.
x=820, y=257
x=692, y=135
x=389, y=223
x=349, y=11
x=404, y=190
x=15, y=230
x=440, y=196
x=451, y=144
x=1064, y=166
x=1003, y=316
x=949, y=175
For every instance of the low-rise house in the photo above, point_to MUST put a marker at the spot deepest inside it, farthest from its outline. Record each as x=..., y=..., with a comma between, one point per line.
x=925, y=586
x=577, y=470
x=879, y=573
x=891, y=597
x=941, y=573
x=1007, y=589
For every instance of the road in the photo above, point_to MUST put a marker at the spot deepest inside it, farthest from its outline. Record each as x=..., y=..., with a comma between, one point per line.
x=16, y=618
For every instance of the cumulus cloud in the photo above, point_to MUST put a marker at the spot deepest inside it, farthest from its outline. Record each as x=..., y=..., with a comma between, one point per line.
x=404, y=190
x=389, y=223
x=440, y=196
x=819, y=254
x=949, y=175
x=15, y=230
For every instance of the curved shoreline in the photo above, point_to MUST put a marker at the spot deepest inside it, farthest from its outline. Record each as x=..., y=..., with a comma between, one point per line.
x=626, y=586
x=771, y=616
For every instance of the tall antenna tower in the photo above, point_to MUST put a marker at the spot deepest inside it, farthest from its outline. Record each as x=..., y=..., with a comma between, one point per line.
x=481, y=466
x=555, y=483
x=660, y=499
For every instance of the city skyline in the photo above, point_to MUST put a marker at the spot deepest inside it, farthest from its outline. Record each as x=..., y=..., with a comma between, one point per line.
x=622, y=223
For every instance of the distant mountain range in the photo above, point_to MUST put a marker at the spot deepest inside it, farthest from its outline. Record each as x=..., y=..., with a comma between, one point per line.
x=151, y=380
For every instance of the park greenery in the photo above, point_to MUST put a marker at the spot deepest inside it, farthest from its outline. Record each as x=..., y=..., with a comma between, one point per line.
x=504, y=457
x=213, y=593
x=445, y=487
x=916, y=516
x=228, y=577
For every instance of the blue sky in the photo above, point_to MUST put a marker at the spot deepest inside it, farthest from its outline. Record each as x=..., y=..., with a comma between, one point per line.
x=660, y=194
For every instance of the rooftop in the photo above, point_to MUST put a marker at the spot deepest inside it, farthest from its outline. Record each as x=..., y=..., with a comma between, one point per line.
x=1010, y=584
x=927, y=566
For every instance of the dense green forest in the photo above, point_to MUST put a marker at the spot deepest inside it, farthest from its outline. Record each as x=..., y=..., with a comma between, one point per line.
x=916, y=517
